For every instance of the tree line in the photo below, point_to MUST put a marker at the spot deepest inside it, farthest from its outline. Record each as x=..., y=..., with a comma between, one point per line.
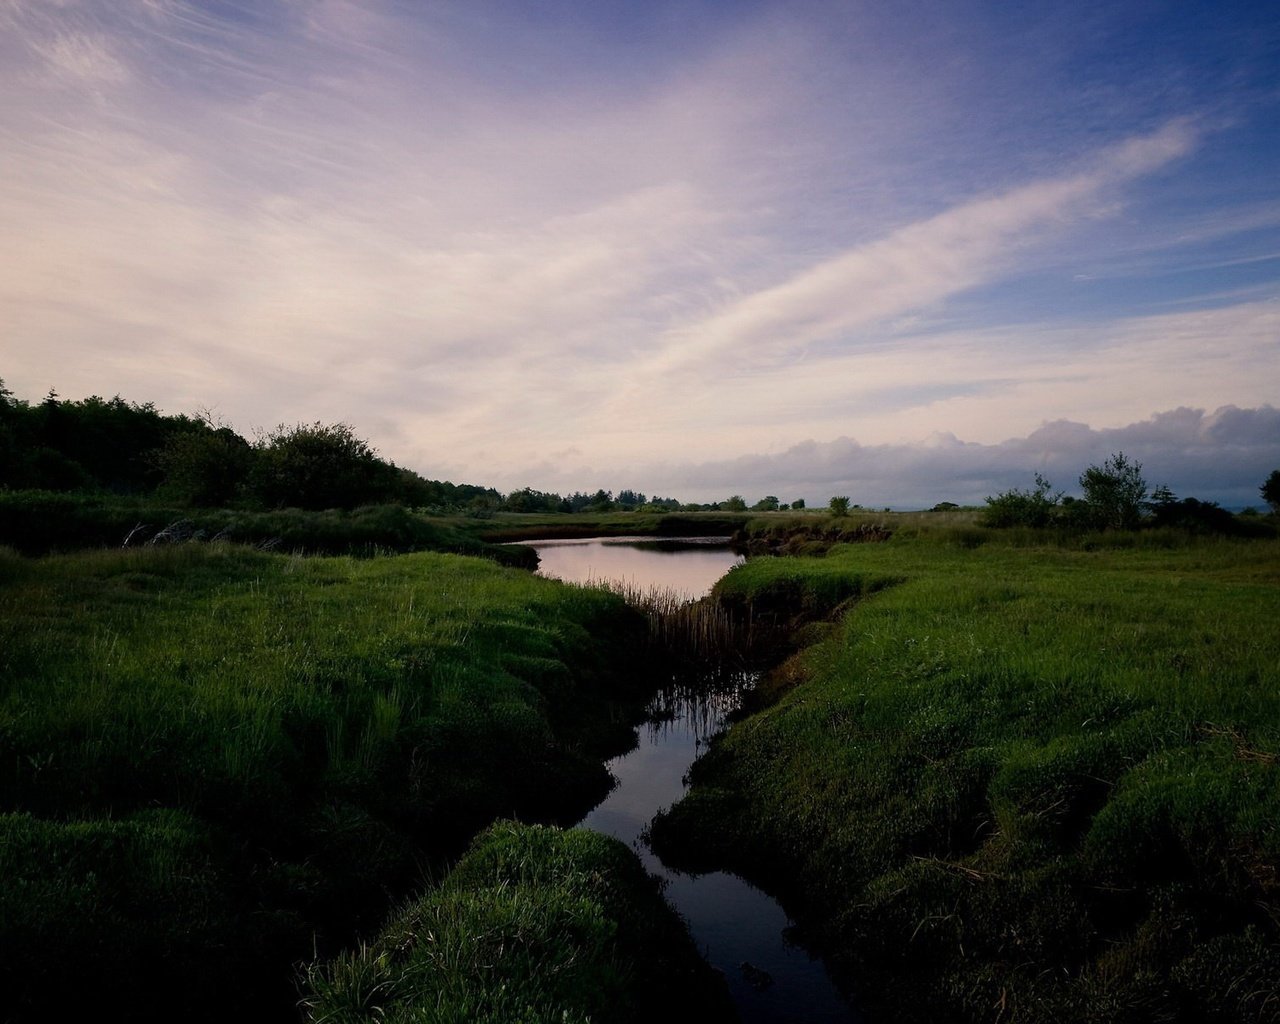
x=114, y=446
x=126, y=448
x=1115, y=496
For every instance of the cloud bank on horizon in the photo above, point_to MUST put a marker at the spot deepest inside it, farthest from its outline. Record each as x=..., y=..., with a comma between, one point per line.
x=685, y=246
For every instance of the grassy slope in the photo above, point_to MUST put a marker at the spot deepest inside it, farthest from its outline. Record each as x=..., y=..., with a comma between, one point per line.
x=1023, y=784
x=37, y=522
x=535, y=926
x=208, y=754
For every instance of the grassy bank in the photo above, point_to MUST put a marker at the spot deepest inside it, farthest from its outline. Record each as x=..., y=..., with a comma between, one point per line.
x=216, y=761
x=38, y=522
x=1019, y=783
x=511, y=526
x=533, y=925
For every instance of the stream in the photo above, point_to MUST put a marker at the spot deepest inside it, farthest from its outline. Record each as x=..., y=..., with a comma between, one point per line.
x=742, y=932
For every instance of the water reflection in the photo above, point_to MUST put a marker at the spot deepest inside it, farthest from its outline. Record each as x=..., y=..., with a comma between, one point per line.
x=742, y=932
x=688, y=566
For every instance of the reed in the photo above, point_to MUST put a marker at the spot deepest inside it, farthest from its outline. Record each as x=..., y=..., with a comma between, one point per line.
x=702, y=635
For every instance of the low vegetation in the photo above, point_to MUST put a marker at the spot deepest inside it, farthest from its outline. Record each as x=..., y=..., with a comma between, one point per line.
x=1017, y=782
x=504, y=527
x=39, y=522
x=533, y=925
x=218, y=761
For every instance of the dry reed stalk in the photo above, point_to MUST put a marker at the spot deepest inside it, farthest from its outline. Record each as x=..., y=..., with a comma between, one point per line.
x=702, y=630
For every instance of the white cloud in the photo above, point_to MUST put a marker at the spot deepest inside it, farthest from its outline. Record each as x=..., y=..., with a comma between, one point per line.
x=916, y=265
x=83, y=59
x=1224, y=456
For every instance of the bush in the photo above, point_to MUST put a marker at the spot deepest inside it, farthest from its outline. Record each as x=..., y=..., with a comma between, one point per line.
x=319, y=466
x=1114, y=493
x=1016, y=507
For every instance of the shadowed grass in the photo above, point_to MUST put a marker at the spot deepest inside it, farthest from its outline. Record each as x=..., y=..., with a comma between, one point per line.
x=322, y=726
x=533, y=925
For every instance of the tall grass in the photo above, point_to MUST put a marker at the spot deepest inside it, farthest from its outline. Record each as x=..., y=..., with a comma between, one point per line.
x=698, y=633
x=1044, y=779
x=325, y=725
x=533, y=925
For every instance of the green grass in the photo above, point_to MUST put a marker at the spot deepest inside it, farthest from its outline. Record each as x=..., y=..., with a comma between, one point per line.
x=1042, y=780
x=38, y=522
x=536, y=926
x=515, y=526
x=315, y=729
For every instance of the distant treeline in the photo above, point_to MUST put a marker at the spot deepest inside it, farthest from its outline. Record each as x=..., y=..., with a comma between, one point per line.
x=112, y=446
x=125, y=448
x=1115, y=497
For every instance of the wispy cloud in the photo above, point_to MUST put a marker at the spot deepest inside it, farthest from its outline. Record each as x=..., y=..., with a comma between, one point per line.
x=916, y=265
x=491, y=234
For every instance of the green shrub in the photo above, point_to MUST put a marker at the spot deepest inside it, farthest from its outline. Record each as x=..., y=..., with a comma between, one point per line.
x=1035, y=507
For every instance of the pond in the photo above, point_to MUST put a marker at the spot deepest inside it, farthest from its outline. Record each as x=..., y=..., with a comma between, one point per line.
x=742, y=932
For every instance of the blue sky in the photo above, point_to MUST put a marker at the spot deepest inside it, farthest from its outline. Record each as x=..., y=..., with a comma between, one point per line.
x=907, y=252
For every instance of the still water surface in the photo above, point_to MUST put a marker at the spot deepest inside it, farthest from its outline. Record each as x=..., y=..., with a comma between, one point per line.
x=742, y=932
x=687, y=565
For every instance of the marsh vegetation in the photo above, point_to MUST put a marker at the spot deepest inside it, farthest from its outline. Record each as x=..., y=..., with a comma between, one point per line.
x=1015, y=780
x=1013, y=763
x=219, y=761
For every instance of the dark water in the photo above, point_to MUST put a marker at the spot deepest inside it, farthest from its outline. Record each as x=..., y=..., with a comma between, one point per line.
x=742, y=932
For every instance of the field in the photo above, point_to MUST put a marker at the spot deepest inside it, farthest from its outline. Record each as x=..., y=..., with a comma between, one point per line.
x=1010, y=782
x=218, y=763
x=1002, y=776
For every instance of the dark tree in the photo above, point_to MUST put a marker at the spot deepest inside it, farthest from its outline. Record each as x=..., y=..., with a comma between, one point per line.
x=529, y=500
x=205, y=467
x=318, y=466
x=1270, y=491
x=1114, y=493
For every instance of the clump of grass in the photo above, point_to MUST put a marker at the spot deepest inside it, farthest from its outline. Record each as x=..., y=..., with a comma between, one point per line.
x=533, y=924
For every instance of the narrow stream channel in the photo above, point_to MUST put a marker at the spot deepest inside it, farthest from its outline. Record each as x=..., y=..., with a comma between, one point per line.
x=742, y=932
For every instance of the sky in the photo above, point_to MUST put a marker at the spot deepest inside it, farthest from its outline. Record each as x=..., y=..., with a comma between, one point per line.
x=906, y=252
